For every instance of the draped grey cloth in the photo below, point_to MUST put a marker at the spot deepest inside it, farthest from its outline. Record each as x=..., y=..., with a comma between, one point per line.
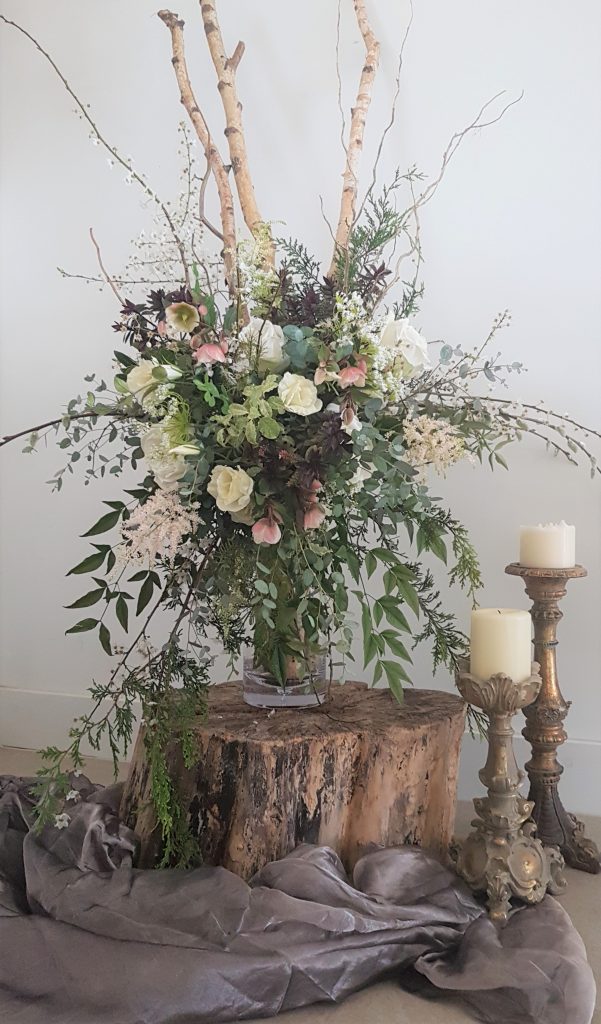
x=87, y=939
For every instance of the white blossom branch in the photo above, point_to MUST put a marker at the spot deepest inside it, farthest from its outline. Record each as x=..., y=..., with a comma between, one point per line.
x=115, y=155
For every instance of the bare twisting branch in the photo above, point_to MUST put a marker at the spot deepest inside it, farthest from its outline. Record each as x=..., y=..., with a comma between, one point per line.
x=214, y=159
x=109, y=280
x=350, y=178
x=418, y=201
x=201, y=205
x=226, y=83
x=72, y=416
x=458, y=138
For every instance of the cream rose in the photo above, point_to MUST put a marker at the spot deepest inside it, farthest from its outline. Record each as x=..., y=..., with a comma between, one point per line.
x=408, y=348
x=231, y=488
x=299, y=395
x=140, y=380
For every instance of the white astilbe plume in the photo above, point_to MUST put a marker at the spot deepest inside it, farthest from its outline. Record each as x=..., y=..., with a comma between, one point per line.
x=432, y=442
x=157, y=528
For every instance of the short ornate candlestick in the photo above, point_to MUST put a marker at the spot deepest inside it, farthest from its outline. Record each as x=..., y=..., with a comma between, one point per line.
x=544, y=729
x=503, y=857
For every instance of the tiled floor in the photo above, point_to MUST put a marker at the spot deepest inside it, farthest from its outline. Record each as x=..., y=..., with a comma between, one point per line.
x=385, y=1003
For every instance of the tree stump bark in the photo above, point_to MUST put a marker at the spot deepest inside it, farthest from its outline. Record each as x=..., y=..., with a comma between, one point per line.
x=359, y=770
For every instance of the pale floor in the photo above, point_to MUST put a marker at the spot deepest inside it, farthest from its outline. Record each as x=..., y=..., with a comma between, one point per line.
x=386, y=1003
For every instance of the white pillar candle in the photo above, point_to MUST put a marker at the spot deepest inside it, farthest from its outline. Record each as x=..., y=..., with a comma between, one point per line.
x=552, y=546
x=501, y=642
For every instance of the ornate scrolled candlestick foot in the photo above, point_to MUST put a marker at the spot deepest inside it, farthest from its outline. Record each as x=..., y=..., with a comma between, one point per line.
x=502, y=856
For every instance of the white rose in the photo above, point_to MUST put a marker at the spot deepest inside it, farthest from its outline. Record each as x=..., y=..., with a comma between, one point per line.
x=271, y=340
x=154, y=442
x=231, y=488
x=166, y=468
x=168, y=472
x=299, y=395
x=405, y=345
x=139, y=380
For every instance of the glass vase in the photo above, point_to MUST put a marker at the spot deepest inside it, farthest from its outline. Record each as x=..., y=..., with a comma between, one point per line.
x=262, y=690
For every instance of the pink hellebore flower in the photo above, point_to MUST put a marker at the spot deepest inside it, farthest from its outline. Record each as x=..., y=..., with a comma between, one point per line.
x=162, y=328
x=314, y=517
x=266, y=531
x=209, y=353
x=356, y=375
x=202, y=309
x=323, y=375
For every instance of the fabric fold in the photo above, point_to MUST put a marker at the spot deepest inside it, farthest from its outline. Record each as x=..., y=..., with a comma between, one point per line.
x=87, y=938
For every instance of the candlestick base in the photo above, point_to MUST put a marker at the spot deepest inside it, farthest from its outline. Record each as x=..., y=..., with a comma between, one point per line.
x=502, y=856
x=545, y=717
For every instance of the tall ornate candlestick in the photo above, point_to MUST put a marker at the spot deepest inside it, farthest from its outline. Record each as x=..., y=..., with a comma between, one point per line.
x=544, y=729
x=503, y=857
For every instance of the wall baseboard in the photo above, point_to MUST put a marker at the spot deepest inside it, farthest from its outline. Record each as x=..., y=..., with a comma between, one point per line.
x=37, y=718
x=40, y=718
x=581, y=760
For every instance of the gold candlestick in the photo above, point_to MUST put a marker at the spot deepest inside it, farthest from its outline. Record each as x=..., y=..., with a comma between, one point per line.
x=544, y=729
x=502, y=856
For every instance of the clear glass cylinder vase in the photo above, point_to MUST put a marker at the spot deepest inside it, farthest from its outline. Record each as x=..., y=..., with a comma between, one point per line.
x=262, y=690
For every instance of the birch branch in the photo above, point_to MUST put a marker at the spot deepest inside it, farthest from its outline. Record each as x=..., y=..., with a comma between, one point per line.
x=350, y=178
x=225, y=68
x=214, y=159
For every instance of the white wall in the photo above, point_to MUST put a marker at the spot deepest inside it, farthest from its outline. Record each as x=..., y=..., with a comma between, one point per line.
x=516, y=223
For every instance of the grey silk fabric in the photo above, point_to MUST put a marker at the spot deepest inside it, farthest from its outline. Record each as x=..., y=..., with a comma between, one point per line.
x=87, y=939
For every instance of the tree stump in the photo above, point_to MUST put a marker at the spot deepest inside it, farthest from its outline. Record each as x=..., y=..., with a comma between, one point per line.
x=359, y=770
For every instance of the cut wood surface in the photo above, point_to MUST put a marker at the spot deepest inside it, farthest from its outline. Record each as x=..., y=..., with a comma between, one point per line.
x=359, y=770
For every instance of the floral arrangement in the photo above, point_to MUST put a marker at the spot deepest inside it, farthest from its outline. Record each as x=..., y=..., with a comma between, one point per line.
x=285, y=418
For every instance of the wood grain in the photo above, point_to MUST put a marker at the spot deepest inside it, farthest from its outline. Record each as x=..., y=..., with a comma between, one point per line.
x=360, y=770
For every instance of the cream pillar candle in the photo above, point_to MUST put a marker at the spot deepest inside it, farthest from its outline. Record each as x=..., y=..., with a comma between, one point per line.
x=552, y=546
x=501, y=642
